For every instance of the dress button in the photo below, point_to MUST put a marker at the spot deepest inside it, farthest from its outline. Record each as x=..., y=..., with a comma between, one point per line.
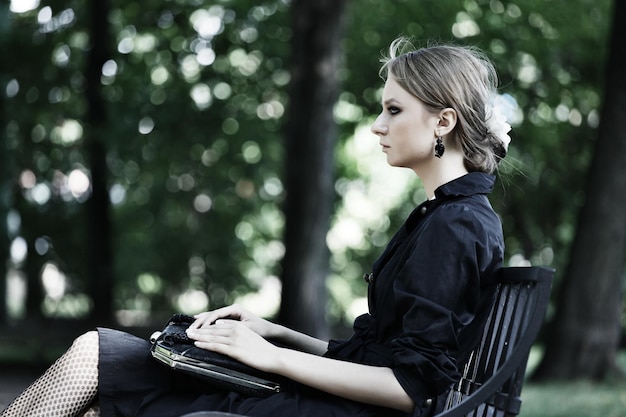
x=423, y=210
x=369, y=278
x=428, y=402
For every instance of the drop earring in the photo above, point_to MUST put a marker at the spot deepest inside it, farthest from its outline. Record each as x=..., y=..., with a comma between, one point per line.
x=439, y=147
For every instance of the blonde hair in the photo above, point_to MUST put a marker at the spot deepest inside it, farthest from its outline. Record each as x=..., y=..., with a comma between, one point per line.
x=457, y=77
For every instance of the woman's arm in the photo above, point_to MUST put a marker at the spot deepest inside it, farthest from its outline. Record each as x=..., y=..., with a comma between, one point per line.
x=367, y=384
x=299, y=341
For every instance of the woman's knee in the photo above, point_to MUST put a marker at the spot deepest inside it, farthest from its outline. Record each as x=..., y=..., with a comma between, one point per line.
x=87, y=341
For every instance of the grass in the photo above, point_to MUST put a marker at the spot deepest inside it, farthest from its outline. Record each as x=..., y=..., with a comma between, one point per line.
x=573, y=399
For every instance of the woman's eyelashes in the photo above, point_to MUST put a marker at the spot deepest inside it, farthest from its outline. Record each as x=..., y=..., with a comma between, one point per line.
x=393, y=110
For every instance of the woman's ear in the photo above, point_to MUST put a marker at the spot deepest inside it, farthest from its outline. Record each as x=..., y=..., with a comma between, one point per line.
x=447, y=121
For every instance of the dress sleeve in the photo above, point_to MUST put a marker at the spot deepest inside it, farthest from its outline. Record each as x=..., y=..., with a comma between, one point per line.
x=437, y=293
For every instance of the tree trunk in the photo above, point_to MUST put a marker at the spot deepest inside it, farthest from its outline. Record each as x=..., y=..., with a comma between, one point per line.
x=585, y=332
x=310, y=143
x=5, y=206
x=99, y=228
x=5, y=173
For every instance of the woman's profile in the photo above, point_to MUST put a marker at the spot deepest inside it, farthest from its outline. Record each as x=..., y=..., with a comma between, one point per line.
x=428, y=292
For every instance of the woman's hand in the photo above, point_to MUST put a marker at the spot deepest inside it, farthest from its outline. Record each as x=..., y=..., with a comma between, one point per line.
x=260, y=326
x=236, y=339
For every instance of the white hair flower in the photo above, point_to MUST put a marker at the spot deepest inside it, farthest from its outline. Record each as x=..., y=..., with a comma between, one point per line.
x=497, y=125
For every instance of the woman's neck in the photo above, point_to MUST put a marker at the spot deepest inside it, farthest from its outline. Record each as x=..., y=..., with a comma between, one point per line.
x=441, y=171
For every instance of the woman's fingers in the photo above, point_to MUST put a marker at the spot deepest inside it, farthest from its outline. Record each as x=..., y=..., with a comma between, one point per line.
x=208, y=318
x=201, y=320
x=225, y=336
x=221, y=328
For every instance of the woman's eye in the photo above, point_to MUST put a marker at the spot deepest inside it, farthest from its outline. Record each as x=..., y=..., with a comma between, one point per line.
x=393, y=110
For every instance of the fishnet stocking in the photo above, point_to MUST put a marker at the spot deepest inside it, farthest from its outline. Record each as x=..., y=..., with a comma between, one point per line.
x=93, y=411
x=66, y=388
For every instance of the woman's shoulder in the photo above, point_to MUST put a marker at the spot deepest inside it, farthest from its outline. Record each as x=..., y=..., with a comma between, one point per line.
x=466, y=215
x=471, y=206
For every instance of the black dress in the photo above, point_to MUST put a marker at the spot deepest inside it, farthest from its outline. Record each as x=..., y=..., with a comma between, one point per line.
x=429, y=294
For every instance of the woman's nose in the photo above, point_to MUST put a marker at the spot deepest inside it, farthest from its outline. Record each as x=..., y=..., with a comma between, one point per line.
x=378, y=128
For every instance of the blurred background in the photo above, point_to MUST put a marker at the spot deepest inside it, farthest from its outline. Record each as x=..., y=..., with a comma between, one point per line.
x=159, y=156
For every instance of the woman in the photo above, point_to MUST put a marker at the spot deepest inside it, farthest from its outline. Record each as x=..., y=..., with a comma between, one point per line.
x=428, y=294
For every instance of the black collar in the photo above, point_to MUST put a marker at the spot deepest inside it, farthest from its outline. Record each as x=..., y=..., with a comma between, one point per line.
x=468, y=184
x=465, y=186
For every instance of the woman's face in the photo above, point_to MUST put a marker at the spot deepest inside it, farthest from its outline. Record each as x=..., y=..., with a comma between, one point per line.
x=405, y=127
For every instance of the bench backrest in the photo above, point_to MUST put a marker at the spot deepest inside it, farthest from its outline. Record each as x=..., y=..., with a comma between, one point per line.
x=492, y=379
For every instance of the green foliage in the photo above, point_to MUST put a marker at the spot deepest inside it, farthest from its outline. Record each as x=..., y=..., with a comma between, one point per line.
x=196, y=95
x=195, y=98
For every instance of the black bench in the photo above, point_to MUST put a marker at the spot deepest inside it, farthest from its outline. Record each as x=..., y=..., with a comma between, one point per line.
x=492, y=379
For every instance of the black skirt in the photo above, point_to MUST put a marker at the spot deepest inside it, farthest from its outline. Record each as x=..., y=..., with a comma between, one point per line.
x=133, y=384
